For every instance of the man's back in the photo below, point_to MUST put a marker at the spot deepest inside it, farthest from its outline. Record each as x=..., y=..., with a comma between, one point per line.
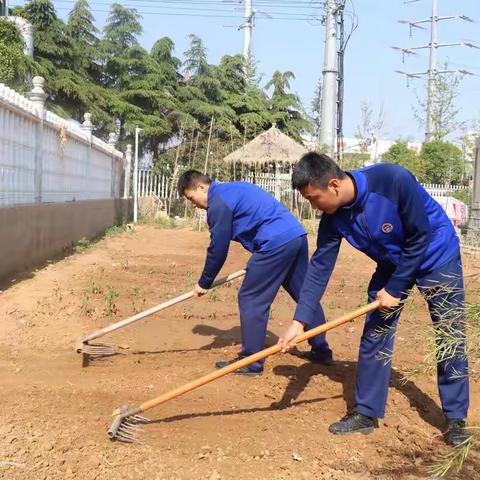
x=259, y=221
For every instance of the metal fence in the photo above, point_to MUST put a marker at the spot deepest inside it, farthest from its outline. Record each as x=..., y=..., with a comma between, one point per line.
x=45, y=158
x=436, y=190
x=150, y=183
x=159, y=186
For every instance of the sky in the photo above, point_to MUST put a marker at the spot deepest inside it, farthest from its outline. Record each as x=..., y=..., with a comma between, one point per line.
x=289, y=36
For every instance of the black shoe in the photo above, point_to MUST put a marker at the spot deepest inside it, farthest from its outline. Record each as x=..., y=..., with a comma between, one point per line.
x=240, y=371
x=456, y=433
x=320, y=358
x=353, y=422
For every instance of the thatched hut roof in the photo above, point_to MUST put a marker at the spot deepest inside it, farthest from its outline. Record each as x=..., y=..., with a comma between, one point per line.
x=271, y=146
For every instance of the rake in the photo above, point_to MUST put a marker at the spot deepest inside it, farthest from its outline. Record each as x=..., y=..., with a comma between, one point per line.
x=90, y=350
x=127, y=422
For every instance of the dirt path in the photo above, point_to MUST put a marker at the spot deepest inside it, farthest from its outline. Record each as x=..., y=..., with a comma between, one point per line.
x=55, y=414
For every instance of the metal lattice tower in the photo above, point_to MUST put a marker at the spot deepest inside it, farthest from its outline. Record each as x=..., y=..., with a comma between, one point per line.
x=433, y=46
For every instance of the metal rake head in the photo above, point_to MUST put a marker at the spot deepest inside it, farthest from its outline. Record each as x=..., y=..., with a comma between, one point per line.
x=126, y=428
x=94, y=350
x=97, y=349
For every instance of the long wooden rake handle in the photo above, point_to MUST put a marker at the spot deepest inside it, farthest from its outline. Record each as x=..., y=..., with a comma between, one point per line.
x=248, y=360
x=158, y=308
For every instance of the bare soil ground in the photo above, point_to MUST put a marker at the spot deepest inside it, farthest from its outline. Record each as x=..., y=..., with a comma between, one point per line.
x=54, y=413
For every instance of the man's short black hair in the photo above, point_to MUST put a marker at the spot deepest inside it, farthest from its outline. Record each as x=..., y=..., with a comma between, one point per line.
x=190, y=179
x=317, y=169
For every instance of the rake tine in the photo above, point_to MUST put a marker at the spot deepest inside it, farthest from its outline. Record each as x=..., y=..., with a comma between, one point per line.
x=140, y=419
x=99, y=349
x=131, y=426
x=128, y=431
x=126, y=425
x=122, y=437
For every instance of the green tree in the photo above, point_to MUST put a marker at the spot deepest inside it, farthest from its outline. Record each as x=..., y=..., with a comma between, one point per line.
x=444, y=110
x=203, y=97
x=122, y=28
x=317, y=108
x=443, y=162
x=14, y=66
x=196, y=56
x=59, y=59
x=81, y=24
x=168, y=65
x=125, y=64
x=285, y=108
x=252, y=75
x=82, y=30
x=249, y=103
x=400, y=154
x=369, y=126
x=119, y=36
x=353, y=161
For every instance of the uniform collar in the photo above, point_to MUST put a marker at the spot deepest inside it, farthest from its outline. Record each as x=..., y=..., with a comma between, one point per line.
x=211, y=189
x=361, y=190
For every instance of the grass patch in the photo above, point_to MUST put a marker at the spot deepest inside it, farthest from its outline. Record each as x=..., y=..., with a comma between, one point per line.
x=160, y=222
x=85, y=244
x=82, y=245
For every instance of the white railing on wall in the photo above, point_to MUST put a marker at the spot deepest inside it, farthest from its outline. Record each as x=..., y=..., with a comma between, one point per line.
x=436, y=190
x=45, y=158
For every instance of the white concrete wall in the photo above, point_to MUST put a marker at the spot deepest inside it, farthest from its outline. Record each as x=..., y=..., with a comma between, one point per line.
x=45, y=158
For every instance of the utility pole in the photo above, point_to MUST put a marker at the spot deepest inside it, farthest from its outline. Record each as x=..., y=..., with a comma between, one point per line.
x=3, y=8
x=432, y=71
x=135, y=177
x=247, y=29
x=330, y=75
x=340, y=81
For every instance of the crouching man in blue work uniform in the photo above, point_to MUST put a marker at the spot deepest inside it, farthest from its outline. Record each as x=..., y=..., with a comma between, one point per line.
x=247, y=214
x=384, y=212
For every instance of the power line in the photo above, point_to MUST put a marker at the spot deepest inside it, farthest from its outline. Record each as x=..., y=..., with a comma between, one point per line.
x=187, y=4
x=150, y=3
x=433, y=46
x=189, y=8
x=213, y=13
x=305, y=19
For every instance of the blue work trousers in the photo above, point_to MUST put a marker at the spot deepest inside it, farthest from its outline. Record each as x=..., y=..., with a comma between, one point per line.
x=444, y=292
x=266, y=272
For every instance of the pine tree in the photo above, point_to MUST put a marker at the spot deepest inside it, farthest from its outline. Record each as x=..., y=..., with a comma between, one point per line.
x=317, y=109
x=196, y=56
x=286, y=109
x=14, y=65
x=122, y=29
x=83, y=32
x=81, y=24
x=58, y=58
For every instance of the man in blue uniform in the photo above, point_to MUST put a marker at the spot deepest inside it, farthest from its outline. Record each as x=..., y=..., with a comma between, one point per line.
x=244, y=213
x=384, y=212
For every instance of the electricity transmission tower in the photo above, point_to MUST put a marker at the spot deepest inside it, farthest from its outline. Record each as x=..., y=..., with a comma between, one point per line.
x=432, y=72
